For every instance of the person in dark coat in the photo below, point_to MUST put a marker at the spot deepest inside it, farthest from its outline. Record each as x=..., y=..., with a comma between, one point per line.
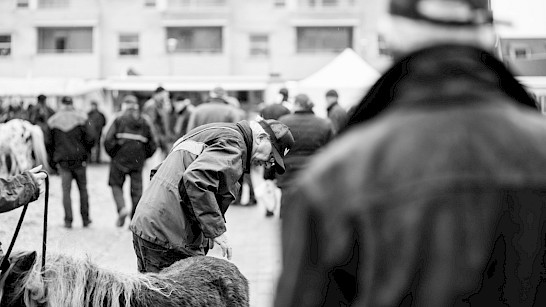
x=434, y=195
x=38, y=115
x=182, y=210
x=310, y=133
x=336, y=113
x=97, y=121
x=129, y=142
x=19, y=190
x=71, y=138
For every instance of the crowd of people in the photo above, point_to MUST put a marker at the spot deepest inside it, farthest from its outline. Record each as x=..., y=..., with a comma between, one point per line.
x=430, y=192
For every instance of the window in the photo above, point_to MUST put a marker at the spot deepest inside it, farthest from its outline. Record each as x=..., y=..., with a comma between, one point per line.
x=195, y=39
x=22, y=3
x=520, y=51
x=320, y=3
x=65, y=40
x=196, y=3
x=259, y=45
x=5, y=45
x=128, y=44
x=53, y=3
x=324, y=39
x=149, y=3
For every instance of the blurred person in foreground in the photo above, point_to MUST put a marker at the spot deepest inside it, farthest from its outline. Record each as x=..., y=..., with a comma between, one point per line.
x=311, y=133
x=129, y=142
x=336, y=113
x=436, y=194
x=19, y=190
x=97, y=120
x=181, y=212
x=71, y=138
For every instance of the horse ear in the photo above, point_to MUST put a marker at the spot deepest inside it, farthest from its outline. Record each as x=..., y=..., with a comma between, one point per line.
x=24, y=261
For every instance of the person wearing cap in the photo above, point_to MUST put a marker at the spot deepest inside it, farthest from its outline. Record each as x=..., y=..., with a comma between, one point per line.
x=181, y=212
x=129, y=142
x=336, y=113
x=71, y=139
x=311, y=133
x=434, y=195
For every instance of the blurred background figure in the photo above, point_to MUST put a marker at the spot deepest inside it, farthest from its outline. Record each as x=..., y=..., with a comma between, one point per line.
x=71, y=138
x=157, y=110
x=310, y=134
x=129, y=142
x=97, y=120
x=14, y=110
x=180, y=116
x=38, y=115
x=336, y=113
x=438, y=199
x=216, y=110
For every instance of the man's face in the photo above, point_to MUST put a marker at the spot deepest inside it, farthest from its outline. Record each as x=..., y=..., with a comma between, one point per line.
x=261, y=150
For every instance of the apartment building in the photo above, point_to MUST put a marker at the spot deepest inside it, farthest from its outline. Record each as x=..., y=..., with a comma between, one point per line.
x=99, y=39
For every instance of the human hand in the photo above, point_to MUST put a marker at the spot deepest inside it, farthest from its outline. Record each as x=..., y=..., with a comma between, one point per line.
x=38, y=175
x=222, y=240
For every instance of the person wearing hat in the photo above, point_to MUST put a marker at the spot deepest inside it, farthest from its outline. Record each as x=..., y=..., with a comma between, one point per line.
x=216, y=110
x=71, y=139
x=311, y=133
x=336, y=113
x=434, y=195
x=129, y=142
x=181, y=212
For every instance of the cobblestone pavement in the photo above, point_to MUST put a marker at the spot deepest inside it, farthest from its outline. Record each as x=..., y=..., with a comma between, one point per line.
x=255, y=238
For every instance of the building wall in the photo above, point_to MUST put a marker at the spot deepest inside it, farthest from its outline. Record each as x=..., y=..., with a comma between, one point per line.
x=239, y=19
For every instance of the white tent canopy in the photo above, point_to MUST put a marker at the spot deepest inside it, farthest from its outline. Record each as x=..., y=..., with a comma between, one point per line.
x=348, y=74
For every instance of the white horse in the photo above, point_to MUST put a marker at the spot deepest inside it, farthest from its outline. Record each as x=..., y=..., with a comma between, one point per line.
x=21, y=147
x=70, y=282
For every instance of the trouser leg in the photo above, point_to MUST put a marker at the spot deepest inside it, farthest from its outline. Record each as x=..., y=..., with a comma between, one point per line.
x=66, y=183
x=81, y=181
x=136, y=189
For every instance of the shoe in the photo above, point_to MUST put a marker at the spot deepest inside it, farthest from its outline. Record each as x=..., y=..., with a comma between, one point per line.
x=121, y=217
x=86, y=223
x=67, y=225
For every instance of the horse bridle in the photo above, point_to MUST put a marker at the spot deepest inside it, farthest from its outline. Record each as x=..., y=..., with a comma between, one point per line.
x=4, y=266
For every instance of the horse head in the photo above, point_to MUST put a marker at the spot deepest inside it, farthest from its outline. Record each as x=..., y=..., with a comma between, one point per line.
x=12, y=279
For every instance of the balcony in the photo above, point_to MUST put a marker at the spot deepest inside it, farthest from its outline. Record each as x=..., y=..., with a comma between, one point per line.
x=325, y=5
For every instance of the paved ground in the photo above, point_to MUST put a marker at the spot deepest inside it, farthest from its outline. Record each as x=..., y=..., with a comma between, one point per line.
x=255, y=238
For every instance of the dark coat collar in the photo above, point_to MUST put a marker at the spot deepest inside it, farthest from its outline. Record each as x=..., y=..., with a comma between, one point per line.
x=244, y=128
x=432, y=72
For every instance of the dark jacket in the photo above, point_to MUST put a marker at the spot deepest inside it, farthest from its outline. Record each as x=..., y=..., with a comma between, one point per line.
x=71, y=137
x=310, y=134
x=437, y=199
x=97, y=121
x=17, y=191
x=186, y=199
x=216, y=111
x=129, y=141
x=338, y=116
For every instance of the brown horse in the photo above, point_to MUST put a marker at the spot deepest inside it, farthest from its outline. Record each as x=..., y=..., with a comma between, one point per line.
x=71, y=282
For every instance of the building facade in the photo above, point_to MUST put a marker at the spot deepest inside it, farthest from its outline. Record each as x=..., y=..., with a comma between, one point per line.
x=98, y=39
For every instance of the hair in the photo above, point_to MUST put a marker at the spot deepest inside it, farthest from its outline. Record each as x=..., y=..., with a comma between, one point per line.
x=159, y=90
x=68, y=281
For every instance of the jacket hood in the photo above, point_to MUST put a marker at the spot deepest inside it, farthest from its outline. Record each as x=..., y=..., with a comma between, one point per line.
x=431, y=72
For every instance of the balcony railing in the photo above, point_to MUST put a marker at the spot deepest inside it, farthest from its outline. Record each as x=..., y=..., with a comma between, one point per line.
x=45, y=4
x=325, y=4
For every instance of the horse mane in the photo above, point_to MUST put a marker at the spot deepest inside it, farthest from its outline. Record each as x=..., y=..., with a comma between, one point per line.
x=68, y=281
